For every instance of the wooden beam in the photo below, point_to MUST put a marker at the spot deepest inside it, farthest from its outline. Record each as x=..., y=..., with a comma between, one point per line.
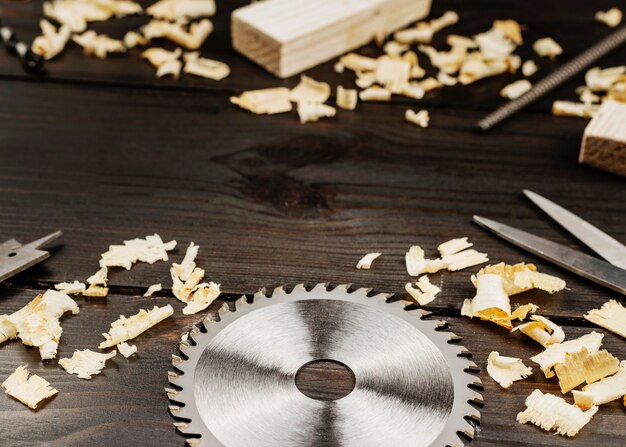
x=287, y=37
x=604, y=140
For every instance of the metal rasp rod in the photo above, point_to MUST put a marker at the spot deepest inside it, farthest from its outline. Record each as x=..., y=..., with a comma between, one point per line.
x=556, y=78
x=31, y=62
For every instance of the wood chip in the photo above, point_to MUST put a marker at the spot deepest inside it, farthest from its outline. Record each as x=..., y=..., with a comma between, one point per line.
x=86, y=363
x=475, y=68
x=134, y=39
x=542, y=330
x=611, y=316
x=28, y=390
x=126, y=350
x=516, y=89
x=77, y=13
x=421, y=118
x=494, y=44
x=454, y=246
x=268, y=101
x=534, y=280
x=465, y=259
x=392, y=73
x=202, y=296
x=511, y=30
x=175, y=10
x=100, y=45
x=568, y=108
x=417, y=264
x=356, y=62
x=312, y=112
x=425, y=292
x=206, y=68
x=610, y=18
x=604, y=391
x=423, y=32
x=365, y=263
x=447, y=61
x=557, y=352
x=506, y=370
x=598, y=79
x=99, y=278
x=52, y=41
x=125, y=329
x=191, y=38
x=507, y=273
x=547, y=47
x=347, y=98
x=70, y=288
x=529, y=68
x=581, y=366
x=153, y=289
x=455, y=40
x=311, y=91
x=551, y=412
x=375, y=94
x=96, y=291
x=149, y=250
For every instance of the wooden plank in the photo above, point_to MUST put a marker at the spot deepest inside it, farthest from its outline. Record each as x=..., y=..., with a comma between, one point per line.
x=126, y=403
x=604, y=140
x=273, y=202
x=287, y=37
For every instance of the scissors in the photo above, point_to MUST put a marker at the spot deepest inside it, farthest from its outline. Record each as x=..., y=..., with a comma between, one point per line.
x=611, y=274
x=15, y=257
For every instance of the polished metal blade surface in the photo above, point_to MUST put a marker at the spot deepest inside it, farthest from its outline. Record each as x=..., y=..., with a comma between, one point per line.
x=600, y=242
x=237, y=386
x=15, y=257
x=584, y=265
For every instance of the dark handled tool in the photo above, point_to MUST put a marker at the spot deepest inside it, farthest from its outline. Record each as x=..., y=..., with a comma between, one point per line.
x=15, y=257
x=556, y=78
x=31, y=62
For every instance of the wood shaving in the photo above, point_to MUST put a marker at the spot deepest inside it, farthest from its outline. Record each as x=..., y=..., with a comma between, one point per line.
x=392, y=73
x=421, y=118
x=586, y=95
x=423, y=32
x=96, y=291
x=206, y=68
x=153, y=289
x=604, y=391
x=430, y=84
x=86, y=363
x=268, y=101
x=365, y=80
x=166, y=62
x=507, y=273
x=542, y=330
x=70, y=288
x=516, y=89
x=551, y=412
x=610, y=18
x=506, y=370
x=75, y=14
x=181, y=9
x=149, y=250
x=394, y=48
x=126, y=350
x=310, y=90
x=454, y=246
x=358, y=63
x=529, y=68
x=511, y=30
x=475, y=68
x=446, y=79
x=52, y=41
x=568, y=108
x=375, y=93
x=100, y=45
x=425, y=292
x=347, y=98
x=133, y=39
x=414, y=90
x=581, y=366
x=202, y=296
x=28, y=390
x=557, y=352
x=417, y=264
x=534, y=280
x=494, y=44
x=339, y=67
x=125, y=329
x=547, y=47
x=365, y=263
x=598, y=79
x=191, y=39
x=611, y=316
x=465, y=259
x=99, y=278
x=455, y=40
x=447, y=61
x=37, y=323
x=312, y=112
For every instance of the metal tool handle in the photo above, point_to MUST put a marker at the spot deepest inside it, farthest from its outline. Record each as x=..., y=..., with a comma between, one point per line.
x=556, y=78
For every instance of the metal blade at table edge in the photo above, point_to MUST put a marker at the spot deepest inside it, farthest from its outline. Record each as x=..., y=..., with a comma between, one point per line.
x=600, y=242
x=594, y=269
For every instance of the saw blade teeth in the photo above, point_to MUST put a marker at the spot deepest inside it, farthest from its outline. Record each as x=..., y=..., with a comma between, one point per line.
x=299, y=288
x=193, y=442
x=176, y=360
x=172, y=377
x=320, y=287
x=171, y=393
x=260, y=294
x=174, y=409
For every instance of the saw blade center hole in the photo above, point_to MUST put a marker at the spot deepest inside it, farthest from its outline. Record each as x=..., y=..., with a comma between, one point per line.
x=325, y=380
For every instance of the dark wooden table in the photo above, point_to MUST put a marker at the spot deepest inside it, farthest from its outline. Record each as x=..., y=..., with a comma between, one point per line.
x=106, y=152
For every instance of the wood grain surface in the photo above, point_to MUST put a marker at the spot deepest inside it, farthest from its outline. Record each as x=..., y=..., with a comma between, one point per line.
x=106, y=152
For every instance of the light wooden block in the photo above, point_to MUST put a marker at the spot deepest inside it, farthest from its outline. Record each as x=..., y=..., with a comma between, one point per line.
x=287, y=37
x=604, y=140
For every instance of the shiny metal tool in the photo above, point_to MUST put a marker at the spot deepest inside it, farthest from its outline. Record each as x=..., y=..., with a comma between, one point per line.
x=15, y=257
x=235, y=378
x=611, y=274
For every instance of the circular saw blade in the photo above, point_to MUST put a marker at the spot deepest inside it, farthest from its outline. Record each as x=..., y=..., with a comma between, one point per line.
x=235, y=380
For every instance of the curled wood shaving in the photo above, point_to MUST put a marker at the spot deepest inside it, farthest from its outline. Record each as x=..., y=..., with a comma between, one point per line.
x=448, y=62
x=134, y=39
x=347, y=98
x=506, y=370
x=207, y=68
x=365, y=79
x=392, y=73
x=417, y=264
x=358, y=63
x=430, y=84
x=414, y=90
x=611, y=316
x=610, y=18
x=375, y=93
x=181, y=9
x=76, y=13
x=394, y=48
x=423, y=32
x=516, y=89
x=149, y=250
x=557, y=352
x=153, y=289
x=37, y=323
x=100, y=45
x=511, y=30
x=166, y=62
x=425, y=292
x=454, y=246
x=547, y=47
x=126, y=350
x=507, y=273
x=475, y=68
x=312, y=112
x=365, y=263
x=266, y=101
x=581, y=366
x=125, y=329
x=86, y=363
x=568, y=108
x=465, y=259
x=191, y=39
x=551, y=412
x=604, y=391
x=310, y=90
x=598, y=79
x=52, y=41
x=542, y=330
x=529, y=68
x=70, y=288
x=446, y=79
x=202, y=296
x=534, y=280
x=96, y=291
x=421, y=118
x=455, y=40
x=586, y=95
x=99, y=278
x=28, y=390
x=494, y=44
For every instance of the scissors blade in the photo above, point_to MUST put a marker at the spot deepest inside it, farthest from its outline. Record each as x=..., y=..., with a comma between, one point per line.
x=584, y=265
x=594, y=238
